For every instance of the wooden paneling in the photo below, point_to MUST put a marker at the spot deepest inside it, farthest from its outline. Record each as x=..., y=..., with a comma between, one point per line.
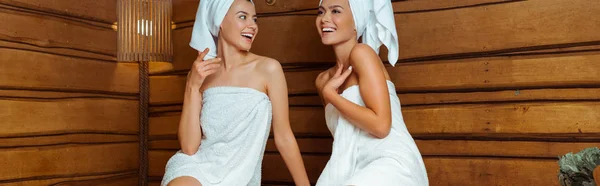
x=441, y=170
x=464, y=32
x=458, y=148
x=187, y=8
x=410, y=99
x=543, y=119
x=527, y=120
x=125, y=178
x=67, y=160
x=157, y=159
x=98, y=10
x=491, y=171
x=455, y=75
x=63, y=139
x=55, y=95
x=497, y=27
x=69, y=111
x=34, y=118
x=163, y=124
x=38, y=71
x=481, y=74
x=53, y=32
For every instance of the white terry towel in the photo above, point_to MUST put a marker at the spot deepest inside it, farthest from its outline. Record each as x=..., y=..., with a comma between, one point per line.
x=235, y=124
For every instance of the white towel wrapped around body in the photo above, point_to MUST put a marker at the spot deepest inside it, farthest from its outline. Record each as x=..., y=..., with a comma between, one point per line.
x=235, y=124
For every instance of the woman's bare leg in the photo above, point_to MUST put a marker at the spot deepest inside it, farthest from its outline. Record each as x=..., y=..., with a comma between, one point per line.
x=184, y=181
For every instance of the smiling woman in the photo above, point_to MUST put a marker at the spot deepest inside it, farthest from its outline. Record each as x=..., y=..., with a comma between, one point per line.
x=237, y=95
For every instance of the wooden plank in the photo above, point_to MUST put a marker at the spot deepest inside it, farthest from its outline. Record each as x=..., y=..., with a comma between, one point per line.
x=519, y=120
x=445, y=171
x=581, y=70
x=409, y=99
x=274, y=169
x=412, y=6
x=493, y=29
x=163, y=124
x=24, y=164
x=499, y=73
x=170, y=144
x=166, y=89
x=57, y=51
x=53, y=32
x=441, y=170
x=544, y=118
x=497, y=27
x=522, y=149
x=50, y=140
x=165, y=108
x=183, y=54
x=100, y=10
x=480, y=74
x=186, y=9
x=54, y=95
x=483, y=171
x=40, y=118
x=157, y=160
x=315, y=125
x=306, y=145
x=60, y=73
x=567, y=94
x=126, y=178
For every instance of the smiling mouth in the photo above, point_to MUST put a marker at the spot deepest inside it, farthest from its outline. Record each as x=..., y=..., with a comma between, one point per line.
x=328, y=30
x=249, y=36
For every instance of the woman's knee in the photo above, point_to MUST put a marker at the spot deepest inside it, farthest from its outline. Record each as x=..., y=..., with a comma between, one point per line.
x=184, y=181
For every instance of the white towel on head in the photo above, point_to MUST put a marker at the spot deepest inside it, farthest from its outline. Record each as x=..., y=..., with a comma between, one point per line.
x=374, y=21
x=209, y=17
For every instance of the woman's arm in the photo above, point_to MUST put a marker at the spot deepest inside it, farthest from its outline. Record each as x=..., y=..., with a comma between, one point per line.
x=284, y=137
x=190, y=132
x=376, y=117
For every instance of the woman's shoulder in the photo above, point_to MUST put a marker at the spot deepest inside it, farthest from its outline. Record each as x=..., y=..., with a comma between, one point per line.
x=362, y=51
x=363, y=56
x=267, y=64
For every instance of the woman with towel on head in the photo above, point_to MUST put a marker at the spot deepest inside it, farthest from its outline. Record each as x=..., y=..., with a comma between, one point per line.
x=232, y=96
x=372, y=145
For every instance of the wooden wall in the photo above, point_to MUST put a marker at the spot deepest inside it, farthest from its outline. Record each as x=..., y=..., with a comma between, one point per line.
x=493, y=91
x=68, y=110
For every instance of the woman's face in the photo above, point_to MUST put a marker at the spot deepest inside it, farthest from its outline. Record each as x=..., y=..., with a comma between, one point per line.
x=335, y=22
x=239, y=25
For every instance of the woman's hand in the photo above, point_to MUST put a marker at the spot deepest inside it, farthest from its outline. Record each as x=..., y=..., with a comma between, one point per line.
x=332, y=85
x=202, y=69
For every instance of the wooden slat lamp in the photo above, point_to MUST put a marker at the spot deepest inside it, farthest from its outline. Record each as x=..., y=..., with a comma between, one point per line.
x=144, y=30
x=144, y=35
